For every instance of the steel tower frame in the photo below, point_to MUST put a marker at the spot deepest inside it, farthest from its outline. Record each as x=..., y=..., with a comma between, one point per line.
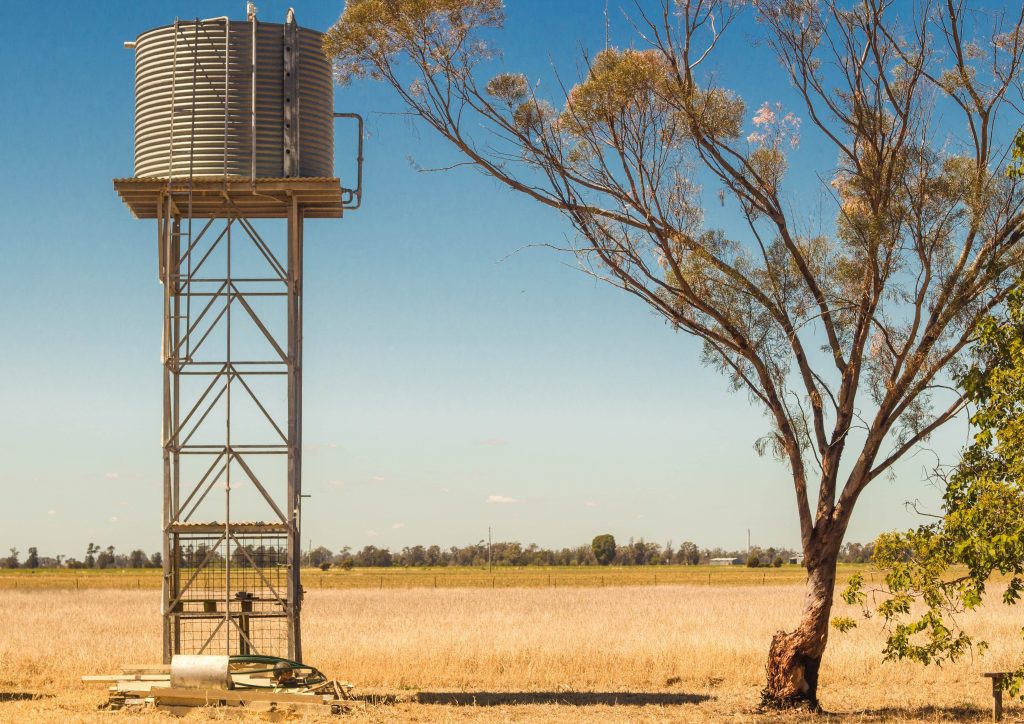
x=232, y=585
x=216, y=594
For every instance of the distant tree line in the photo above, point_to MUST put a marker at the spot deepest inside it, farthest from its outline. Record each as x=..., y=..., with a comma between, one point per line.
x=95, y=557
x=602, y=551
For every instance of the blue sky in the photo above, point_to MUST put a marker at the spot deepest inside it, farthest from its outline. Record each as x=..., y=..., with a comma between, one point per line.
x=448, y=367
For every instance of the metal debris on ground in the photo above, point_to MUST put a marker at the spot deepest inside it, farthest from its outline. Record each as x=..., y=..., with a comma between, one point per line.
x=260, y=683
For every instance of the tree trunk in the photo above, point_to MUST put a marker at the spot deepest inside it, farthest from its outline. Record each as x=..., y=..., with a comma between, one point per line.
x=794, y=657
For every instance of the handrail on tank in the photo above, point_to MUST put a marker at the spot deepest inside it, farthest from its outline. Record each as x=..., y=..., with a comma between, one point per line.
x=357, y=192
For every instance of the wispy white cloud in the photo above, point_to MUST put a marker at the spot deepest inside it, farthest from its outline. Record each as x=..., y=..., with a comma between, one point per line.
x=371, y=533
x=590, y=504
x=51, y=512
x=336, y=483
x=492, y=442
x=112, y=476
x=377, y=478
x=314, y=448
x=502, y=499
x=113, y=519
x=445, y=490
x=396, y=526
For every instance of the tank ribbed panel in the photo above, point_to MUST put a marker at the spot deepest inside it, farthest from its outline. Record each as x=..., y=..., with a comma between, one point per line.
x=190, y=131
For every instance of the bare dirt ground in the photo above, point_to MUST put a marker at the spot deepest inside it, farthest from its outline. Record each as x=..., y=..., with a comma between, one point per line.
x=665, y=654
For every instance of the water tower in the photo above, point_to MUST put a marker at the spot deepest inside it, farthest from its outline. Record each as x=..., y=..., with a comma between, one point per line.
x=234, y=150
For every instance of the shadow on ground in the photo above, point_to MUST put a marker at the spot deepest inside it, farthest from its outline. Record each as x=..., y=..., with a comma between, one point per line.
x=964, y=712
x=567, y=698
x=21, y=696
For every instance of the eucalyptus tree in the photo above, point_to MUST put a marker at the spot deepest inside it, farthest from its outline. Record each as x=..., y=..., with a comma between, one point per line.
x=846, y=337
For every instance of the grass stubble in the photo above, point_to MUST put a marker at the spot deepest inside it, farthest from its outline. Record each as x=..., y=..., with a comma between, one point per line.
x=649, y=654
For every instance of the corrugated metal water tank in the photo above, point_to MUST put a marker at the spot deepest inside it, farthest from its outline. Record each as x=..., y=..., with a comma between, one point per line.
x=183, y=125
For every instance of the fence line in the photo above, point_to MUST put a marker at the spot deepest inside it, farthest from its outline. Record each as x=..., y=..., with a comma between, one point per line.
x=399, y=578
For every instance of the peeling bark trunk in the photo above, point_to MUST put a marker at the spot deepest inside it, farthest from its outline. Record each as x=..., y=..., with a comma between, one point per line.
x=795, y=657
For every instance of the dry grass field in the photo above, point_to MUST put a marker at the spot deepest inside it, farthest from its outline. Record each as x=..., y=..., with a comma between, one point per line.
x=668, y=653
x=448, y=577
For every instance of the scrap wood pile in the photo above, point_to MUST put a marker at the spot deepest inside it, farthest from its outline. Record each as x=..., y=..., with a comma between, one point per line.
x=262, y=683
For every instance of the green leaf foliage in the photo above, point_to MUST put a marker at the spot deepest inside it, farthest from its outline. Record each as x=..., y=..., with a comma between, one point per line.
x=945, y=568
x=843, y=624
x=1016, y=168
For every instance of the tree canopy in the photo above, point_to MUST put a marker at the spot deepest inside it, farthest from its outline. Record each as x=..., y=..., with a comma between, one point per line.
x=847, y=334
x=603, y=547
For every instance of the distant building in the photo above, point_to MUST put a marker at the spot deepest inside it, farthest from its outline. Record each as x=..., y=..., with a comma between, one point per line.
x=798, y=559
x=726, y=562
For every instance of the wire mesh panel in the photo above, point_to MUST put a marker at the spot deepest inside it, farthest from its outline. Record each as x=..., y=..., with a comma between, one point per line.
x=231, y=593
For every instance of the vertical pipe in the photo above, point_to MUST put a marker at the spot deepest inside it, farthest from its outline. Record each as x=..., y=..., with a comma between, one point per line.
x=291, y=260
x=174, y=284
x=174, y=275
x=297, y=500
x=161, y=256
x=165, y=586
x=230, y=290
x=294, y=427
x=252, y=130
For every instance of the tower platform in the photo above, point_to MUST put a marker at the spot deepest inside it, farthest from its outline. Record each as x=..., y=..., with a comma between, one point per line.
x=264, y=198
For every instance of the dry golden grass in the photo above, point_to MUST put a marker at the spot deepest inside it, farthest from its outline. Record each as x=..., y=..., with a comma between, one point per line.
x=447, y=577
x=671, y=653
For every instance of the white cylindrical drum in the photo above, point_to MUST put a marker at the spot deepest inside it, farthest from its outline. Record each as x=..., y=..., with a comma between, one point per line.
x=194, y=101
x=200, y=672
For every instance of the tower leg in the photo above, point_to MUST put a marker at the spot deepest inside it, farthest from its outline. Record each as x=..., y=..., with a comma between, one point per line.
x=169, y=232
x=294, y=429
